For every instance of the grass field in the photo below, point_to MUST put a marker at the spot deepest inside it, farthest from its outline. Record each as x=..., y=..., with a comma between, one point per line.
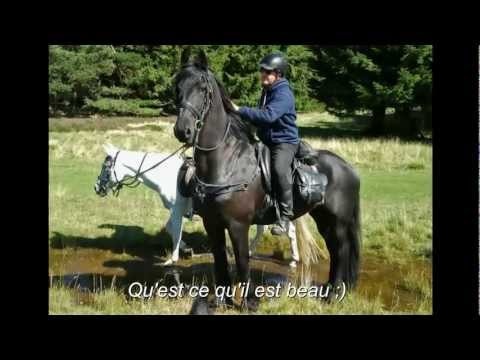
x=396, y=205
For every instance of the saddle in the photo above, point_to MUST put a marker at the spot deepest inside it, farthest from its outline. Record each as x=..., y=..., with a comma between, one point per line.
x=308, y=183
x=185, y=185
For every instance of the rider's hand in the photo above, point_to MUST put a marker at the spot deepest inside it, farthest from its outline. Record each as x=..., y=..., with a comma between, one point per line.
x=235, y=107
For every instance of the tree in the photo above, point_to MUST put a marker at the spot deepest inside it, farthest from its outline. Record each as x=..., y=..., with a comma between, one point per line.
x=76, y=73
x=237, y=67
x=373, y=78
x=138, y=79
x=423, y=92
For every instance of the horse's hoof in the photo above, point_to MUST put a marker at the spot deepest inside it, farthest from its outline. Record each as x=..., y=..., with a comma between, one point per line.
x=200, y=306
x=251, y=304
x=331, y=297
x=224, y=302
x=293, y=264
x=169, y=262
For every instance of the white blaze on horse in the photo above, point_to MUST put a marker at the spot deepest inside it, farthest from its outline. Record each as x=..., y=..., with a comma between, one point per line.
x=122, y=166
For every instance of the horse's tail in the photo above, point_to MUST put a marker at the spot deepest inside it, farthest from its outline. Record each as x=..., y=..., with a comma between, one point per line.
x=354, y=235
x=308, y=248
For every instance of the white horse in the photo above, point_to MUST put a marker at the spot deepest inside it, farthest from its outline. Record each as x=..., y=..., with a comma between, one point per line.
x=122, y=164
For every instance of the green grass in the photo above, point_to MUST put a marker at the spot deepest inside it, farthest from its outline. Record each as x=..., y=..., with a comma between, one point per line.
x=111, y=302
x=418, y=283
x=396, y=196
x=345, y=138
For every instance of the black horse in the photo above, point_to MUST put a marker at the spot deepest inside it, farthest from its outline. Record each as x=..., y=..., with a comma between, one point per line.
x=225, y=160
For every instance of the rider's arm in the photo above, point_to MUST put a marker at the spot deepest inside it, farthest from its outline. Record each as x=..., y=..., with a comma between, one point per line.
x=278, y=106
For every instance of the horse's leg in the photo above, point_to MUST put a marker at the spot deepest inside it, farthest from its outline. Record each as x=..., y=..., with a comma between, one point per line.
x=293, y=244
x=258, y=235
x=175, y=226
x=169, y=227
x=341, y=246
x=183, y=207
x=324, y=222
x=239, y=236
x=216, y=235
x=177, y=236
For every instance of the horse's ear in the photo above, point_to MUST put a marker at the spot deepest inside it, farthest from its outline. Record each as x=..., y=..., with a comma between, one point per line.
x=202, y=60
x=106, y=149
x=109, y=149
x=185, y=57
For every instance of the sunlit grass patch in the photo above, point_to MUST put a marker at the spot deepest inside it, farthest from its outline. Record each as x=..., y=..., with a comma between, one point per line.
x=64, y=300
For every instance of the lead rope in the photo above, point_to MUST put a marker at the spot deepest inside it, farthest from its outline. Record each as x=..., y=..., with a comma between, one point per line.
x=184, y=146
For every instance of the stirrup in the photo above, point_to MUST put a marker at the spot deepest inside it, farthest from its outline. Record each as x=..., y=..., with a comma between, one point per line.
x=279, y=228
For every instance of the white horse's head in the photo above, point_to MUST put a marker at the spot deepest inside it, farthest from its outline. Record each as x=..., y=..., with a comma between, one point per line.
x=111, y=173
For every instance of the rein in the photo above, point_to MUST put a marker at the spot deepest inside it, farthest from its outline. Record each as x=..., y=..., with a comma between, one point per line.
x=134, y=182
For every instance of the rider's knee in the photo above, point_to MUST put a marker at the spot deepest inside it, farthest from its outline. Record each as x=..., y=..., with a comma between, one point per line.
x=280, y=169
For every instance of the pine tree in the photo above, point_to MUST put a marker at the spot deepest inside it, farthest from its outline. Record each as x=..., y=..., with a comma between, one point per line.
x=373, y=78
x=76, y=73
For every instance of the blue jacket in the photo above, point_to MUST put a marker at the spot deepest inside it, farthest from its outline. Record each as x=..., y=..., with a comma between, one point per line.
x=276, y=115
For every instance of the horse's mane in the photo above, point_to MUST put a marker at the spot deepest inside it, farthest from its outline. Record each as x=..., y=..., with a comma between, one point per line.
x=239, y=128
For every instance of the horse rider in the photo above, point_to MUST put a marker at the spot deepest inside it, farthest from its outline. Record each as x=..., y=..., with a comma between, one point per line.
x=275, y=119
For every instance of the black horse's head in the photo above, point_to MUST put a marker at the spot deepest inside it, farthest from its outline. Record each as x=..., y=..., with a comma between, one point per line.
x=193, y=91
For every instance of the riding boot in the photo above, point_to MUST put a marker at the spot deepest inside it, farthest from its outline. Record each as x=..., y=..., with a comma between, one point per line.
x=285, y=204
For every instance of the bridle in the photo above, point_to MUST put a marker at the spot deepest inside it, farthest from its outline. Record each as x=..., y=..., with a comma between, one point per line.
x=134, y=182
x=202, y=188
x=199, y=116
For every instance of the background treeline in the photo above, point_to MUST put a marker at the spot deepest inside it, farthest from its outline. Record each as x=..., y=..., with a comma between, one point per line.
x=138, y=79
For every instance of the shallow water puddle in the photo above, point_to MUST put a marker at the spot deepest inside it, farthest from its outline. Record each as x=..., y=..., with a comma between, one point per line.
x=96, y=269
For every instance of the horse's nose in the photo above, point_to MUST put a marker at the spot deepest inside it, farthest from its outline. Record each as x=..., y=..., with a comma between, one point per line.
x=183, y=134
x=178, y=133
x=99, y=190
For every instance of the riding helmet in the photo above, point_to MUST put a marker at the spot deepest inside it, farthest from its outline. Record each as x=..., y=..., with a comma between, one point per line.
x=275, y=61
